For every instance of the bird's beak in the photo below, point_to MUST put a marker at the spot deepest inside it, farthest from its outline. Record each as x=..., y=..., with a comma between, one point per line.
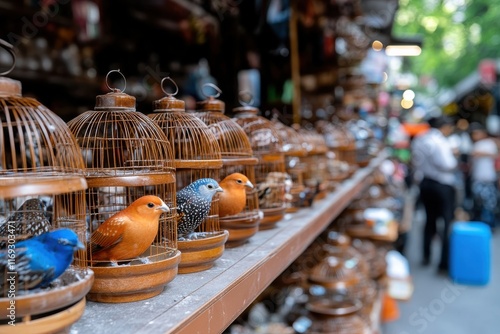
x=164, y=208
x=249, y=184
x=219, y=189
x=80, y=245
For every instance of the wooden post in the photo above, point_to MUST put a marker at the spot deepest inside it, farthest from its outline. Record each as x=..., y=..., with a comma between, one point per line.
x=295, y=63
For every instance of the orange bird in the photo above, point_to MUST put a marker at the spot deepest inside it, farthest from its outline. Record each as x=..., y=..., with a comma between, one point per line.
x=128, y=233
x=234, y=197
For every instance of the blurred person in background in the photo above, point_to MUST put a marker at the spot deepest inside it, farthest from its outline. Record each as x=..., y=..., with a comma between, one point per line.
x=435, y=165
x=483, y=175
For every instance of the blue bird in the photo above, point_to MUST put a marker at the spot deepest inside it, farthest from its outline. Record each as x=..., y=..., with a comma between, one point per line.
x=36, y=262
x=193, y=205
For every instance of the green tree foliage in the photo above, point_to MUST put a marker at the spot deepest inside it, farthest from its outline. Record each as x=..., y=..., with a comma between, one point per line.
x=457, y=34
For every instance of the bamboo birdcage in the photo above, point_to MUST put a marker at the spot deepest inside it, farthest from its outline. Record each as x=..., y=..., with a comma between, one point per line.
x=270, y=172
x=295, y=153
x=237, y=157
x=196, y=155
x=317, y=161
x=41, y=182
x=127, y=156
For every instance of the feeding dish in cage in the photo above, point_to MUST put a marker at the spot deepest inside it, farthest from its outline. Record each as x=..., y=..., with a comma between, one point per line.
x=127, y=158
x=270, y=171
x=39, y=161
x=237, y=157
x=196, y=156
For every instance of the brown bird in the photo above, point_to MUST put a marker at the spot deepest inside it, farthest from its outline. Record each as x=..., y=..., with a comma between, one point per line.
x=233, y=200
x=128, y=233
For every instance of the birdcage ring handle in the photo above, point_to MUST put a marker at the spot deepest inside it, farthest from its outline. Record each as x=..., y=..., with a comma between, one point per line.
x=10, y=49
x=116, y=90
x=163, y=87
x=244, y=93
x=211, y=85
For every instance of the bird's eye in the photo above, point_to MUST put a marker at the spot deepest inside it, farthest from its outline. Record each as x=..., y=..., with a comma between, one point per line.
x=151, y=205
x=210, y=186
x=239, y=181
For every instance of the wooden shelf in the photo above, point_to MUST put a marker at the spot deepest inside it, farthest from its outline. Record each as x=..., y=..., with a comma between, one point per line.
x=209, y=301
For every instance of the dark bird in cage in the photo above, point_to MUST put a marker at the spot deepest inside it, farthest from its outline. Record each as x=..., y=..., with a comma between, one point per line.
x=129, y=233
x=38, y=261
x=234, y=197
x=193, y=205
x=272, y=191
x=30, y=219
x=307, y=196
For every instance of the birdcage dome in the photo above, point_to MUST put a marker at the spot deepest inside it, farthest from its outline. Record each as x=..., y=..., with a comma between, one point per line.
x=313, y=141
x=263, y=137
x=233, y=142
x=194, y=145
x=127, y=156
x=38, y=153
x=292, y=140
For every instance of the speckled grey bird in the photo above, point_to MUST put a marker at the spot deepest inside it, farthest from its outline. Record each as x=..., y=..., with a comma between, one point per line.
x=193, y=205
x=30, y=219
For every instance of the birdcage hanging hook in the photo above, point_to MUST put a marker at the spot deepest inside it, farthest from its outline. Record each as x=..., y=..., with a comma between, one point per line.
x=214, y=87
x=10, y=49
x=116, y=90
x=163, y=87
x=245, y=93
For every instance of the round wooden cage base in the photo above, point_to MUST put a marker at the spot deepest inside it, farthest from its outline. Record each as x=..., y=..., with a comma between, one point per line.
x=240, y=229
x=271, y=217
x=134, y=282
x=200, y=254
x=56, y=323
x=48, y=300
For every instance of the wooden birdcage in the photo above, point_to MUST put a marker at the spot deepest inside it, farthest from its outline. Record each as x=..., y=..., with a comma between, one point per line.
x=196, y=155
x=295, y=153
x=42, y=189
x=316, y=175
x=127, y=156
x=270, y=172
x=237, y=157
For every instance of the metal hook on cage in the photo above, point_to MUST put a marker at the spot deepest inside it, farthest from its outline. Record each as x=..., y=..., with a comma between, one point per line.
x=163, y=88
x=10, y=49
x=213, y=86
x=116, y=90
x=249, y=94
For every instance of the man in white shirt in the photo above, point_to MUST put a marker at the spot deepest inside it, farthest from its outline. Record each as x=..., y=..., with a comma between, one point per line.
x=483, y=175
x=435, y=164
